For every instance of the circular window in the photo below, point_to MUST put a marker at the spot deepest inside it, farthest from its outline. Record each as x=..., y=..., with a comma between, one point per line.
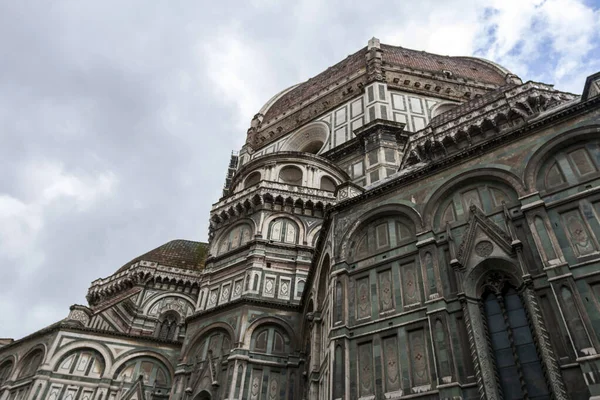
x=309, y=139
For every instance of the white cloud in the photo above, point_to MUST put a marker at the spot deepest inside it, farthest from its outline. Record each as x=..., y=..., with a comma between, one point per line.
x=236, y=68
x=45, y=186
x=150, y=100
x=48, y=182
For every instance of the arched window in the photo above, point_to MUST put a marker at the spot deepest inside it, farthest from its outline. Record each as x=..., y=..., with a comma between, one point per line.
x=252, y=179
x=339, y=302
x=511, y=342
x=5, y=371
x=154, y=372
x=82, y=362
x=213, y=344
x=488, y=197
x=574, y=322
x=167, y=325
x=283, y=230
x=380, y=235
x=442, y=349
x=291, y=175
x=327, y=184
x=270, y=340
x=31, y=363
x=300, y=288
x=570, y=166
x=237, y=236
x=442, y=108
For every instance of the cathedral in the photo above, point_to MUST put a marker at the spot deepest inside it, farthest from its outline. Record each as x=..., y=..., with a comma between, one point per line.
x=403, y=225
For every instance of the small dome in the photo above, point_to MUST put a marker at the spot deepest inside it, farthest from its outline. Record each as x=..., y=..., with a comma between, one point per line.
x=184, y=254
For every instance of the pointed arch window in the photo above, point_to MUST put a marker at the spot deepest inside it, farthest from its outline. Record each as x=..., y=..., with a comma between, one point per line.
x=270, y=340
x=575, y=323
x=82, y=362
x=488, y=197
x=168, y=326
x=283, y=230
x=214, y=344
x=154, y=373
x=236, y=237
x=511, y=342
x=31, y=363
x=569, y=166
x=381, y=234
x=5, y=371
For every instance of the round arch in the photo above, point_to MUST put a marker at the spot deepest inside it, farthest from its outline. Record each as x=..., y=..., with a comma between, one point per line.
x=82, y=345
x=224, y=234
x=441, y=108
x=155, y=299
x=252, y=179
x=276, y=321
x=546, y=149
x=11, y=361
x=38, y=347
x=311, y=138
x=497, y=173
x=130, y=355
x=11, y=357
x=301, y=228
x=388, y=209
x=313, y=233
x=195, y=340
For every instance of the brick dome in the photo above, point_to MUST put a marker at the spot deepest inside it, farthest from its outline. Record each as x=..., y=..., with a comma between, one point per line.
x=469, y=68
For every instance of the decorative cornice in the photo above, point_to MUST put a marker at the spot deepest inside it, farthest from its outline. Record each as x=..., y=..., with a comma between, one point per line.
x=138, y=273
x=491, y=113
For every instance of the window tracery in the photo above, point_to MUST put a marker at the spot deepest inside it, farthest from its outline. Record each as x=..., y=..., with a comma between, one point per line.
x=488, y=197
x=381, y=234
x=31, y=363
x=82, y=362
x=511, y=341
x=570, y=166
x=214, y=344
x=5, y=371
x=236, y=237
x=153, y=371
x=167, y=326
x=283, y=230
x=574, y=322
x=270, y=340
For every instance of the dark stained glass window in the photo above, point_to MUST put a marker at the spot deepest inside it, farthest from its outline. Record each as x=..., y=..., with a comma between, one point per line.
x=517, y=362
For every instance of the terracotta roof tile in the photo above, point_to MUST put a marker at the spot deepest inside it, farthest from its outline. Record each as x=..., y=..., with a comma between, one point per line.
x=350, y=65
x=184, y=254
x=461, y=67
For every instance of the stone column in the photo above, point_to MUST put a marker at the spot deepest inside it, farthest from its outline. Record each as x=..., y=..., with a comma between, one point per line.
x=484, y=366
x=243, y=382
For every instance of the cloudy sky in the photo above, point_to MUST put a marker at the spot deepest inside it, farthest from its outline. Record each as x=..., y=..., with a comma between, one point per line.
x=117, y=118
